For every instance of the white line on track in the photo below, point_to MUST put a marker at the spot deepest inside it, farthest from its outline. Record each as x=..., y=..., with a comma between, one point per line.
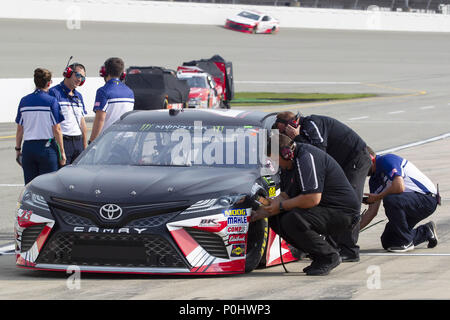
x=11, y=185
x=427, y=107
x=296, y=82
x=396, y=112
x=358, y=118
x=7, y=249
x=406, y=254
x=414, y=144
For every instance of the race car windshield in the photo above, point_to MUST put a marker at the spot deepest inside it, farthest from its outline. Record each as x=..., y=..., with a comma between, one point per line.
x=196, y=82
x=177, y=145
x=249, y=15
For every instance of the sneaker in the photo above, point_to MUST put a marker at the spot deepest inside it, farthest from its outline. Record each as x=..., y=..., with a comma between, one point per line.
x=322, y=269
x=433, y=239
x=311, y=266
x=403, y=248
x=349, y=258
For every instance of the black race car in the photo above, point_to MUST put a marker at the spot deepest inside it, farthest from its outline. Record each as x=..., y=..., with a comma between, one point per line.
x=167, y=191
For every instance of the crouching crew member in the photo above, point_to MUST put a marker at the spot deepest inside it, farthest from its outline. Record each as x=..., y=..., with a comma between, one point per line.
x=113, y=99
x=74, y=127
x=346, y=147
x=316, y=201
x=38, y=118
x=408, y=197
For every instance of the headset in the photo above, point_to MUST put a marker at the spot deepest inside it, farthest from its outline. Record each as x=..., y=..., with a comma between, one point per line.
x=294, y=122
x=372, y=158
x=287, y=152
x=103, y=74
x=68, y=71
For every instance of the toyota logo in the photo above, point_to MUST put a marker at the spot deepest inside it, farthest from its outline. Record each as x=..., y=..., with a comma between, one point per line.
x=110, y=212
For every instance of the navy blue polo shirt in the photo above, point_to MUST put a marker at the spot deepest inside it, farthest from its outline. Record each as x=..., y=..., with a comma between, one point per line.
x=389, y=166
x=38, y=112
x=115, y=98
x=72, y=108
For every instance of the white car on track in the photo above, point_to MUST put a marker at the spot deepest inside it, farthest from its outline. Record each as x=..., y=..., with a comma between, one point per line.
x=253, y=22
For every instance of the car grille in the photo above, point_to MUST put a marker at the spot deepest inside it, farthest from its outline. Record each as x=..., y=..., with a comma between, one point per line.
x=237, y=26
x=113, y=250
x=147, y=222
x=30, y=235
x=209, y=241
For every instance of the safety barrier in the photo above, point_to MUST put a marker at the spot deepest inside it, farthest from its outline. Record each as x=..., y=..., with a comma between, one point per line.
x=74, y=12
x=15, y=89
x=77, y=11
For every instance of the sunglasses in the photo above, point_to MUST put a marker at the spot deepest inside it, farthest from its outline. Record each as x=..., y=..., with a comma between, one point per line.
x=80, y=76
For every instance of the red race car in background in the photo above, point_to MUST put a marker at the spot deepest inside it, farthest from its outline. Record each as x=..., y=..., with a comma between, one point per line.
x=204, y=92
x=222, y=73
x=253, y=22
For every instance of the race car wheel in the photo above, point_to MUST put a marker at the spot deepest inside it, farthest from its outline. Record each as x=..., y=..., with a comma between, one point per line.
x=256, y=243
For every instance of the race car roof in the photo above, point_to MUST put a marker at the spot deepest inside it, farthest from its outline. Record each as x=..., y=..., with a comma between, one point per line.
x=225, y=117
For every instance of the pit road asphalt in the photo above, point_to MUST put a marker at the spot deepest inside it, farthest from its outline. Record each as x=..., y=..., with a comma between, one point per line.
x=409, y=72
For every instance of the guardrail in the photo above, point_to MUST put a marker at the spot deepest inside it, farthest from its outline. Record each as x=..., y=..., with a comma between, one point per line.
x=77, y=11
x=74, y=12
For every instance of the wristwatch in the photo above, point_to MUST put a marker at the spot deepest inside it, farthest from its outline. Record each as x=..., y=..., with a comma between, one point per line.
x=17, y=148
x=281, y=207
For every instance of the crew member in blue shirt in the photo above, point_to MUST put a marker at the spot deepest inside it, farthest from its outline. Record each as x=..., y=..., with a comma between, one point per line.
x=74, y=127
x=113, y=99
x=38, y=119
x=408, y=197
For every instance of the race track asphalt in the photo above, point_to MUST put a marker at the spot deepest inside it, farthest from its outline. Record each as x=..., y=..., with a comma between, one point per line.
x=409, y=71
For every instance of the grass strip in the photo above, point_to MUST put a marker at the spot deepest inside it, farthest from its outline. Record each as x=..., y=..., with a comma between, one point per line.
x=277, y=98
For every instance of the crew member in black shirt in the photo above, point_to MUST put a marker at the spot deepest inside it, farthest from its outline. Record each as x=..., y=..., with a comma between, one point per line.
x=316, y=201
x=346, y=147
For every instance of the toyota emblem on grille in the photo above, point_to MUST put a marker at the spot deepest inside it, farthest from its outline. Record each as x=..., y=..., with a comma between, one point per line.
x=110, y=212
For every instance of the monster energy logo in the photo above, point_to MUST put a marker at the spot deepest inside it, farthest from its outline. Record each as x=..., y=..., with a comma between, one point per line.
x=146, y=127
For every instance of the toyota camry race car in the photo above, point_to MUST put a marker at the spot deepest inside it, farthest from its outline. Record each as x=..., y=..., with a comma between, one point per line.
x=252, y=22
x=159, y=192
x=203, y=89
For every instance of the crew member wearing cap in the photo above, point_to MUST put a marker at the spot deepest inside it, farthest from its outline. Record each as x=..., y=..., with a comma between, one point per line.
x=74, y=127
x=346, y=147
x=316, y=201
x=38, y=118
x=408, y=197
x=113, y=99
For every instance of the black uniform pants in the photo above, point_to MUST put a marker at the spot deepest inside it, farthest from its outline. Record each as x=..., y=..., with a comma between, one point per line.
x=73, y=146
x=306, y=229
x=356, y=172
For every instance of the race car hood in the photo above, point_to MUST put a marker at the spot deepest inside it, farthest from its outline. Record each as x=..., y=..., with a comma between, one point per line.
x=143, y=184
x=243, y=20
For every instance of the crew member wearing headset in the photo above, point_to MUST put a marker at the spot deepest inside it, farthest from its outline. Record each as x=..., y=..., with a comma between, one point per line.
x=113, y=99
x=316, y=201
x=38, y=126
x=346, y=147
x=74, y=127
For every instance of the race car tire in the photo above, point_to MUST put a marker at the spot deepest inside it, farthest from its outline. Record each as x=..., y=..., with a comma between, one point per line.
x=258, y=232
